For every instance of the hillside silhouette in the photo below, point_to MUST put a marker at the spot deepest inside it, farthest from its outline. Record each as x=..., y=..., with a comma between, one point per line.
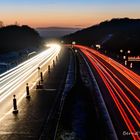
x=112, y=35
x=55, y=32
x=14, y=38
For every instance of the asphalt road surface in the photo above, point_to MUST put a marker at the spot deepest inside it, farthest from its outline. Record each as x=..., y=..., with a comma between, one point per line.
x=33, y=113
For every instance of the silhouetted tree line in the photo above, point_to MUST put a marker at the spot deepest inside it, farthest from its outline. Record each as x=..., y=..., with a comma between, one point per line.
x=14, y=37
x=124, y=34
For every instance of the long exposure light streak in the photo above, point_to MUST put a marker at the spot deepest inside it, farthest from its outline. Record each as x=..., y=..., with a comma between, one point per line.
x=127, y=101
x=130, y=75
x=12, y=79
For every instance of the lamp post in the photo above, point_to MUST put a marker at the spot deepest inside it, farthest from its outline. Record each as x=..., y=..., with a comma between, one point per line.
x=121, y=55
x=125, y=60
x=125, y=57
x=73, y=43
x=131, y=64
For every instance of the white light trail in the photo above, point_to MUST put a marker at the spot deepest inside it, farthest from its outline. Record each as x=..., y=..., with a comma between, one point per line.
x=14, y=78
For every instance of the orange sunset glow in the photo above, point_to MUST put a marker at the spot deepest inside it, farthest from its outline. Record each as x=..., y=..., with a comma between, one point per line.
x=69, y=14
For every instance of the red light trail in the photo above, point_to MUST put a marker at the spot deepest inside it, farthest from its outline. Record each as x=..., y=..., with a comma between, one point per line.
x=122, y=84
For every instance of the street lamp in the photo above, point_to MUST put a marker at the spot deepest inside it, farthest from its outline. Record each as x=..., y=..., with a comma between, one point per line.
x=125, y=61
x=124, y=57
x=98, y=46
x=131, y=65
x=128, y=51
x=121, y=51
x=73, y=43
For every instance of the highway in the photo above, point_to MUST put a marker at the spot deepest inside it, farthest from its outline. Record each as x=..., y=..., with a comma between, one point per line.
x=123, y=88
x=14, y=81
x=120, y=87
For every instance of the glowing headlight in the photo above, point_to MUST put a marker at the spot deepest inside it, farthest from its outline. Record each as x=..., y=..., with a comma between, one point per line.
x=53, y=45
